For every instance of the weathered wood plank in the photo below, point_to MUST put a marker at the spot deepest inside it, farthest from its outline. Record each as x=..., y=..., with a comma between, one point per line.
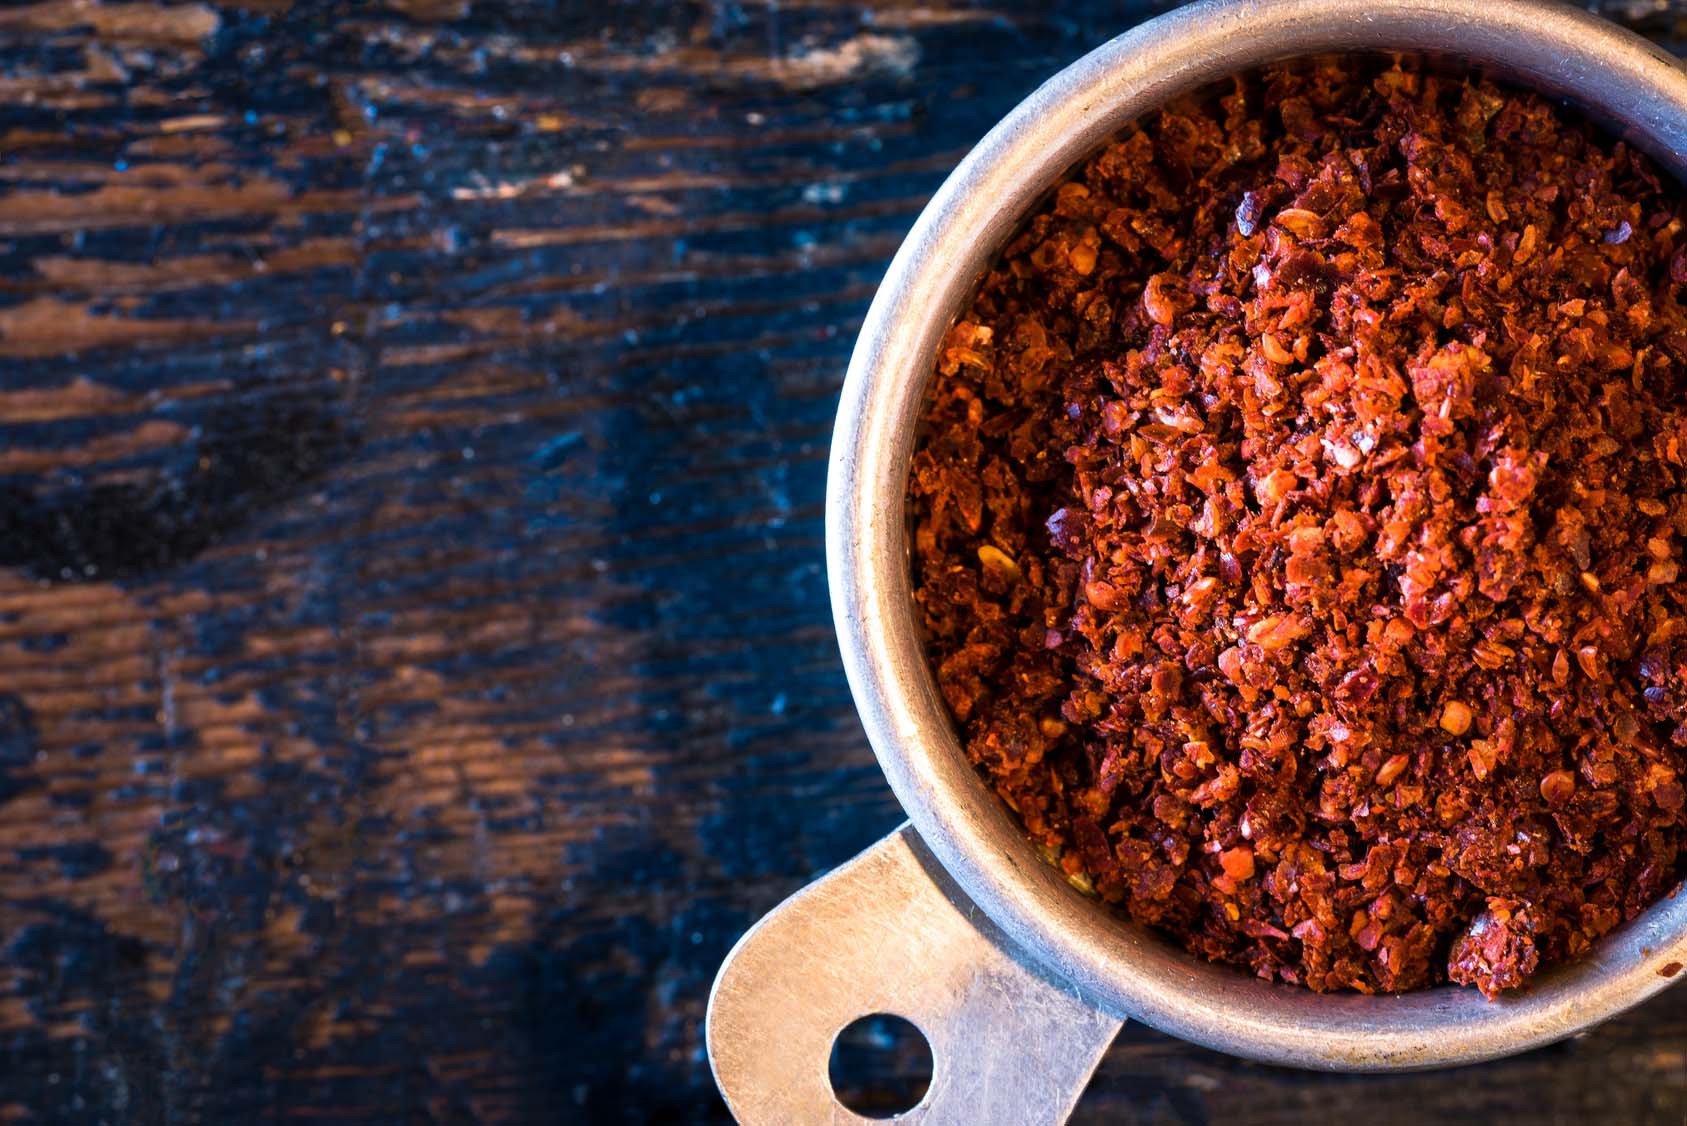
x=415, y=667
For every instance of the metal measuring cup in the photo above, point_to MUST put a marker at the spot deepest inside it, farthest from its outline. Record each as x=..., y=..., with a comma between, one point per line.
x=1018, y=980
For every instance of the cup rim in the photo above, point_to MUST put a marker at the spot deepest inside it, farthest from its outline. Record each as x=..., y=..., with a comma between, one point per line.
x=1621, y=79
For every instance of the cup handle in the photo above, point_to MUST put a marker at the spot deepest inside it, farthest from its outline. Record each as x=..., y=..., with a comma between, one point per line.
x=889, y=932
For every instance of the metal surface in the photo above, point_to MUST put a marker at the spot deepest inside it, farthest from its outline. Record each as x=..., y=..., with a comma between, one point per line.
x=890, y=933
x=1629, y=85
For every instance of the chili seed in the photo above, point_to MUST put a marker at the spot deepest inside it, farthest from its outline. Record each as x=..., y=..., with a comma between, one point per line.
x=1455, y=717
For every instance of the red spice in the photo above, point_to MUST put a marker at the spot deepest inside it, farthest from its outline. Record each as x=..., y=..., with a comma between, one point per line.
x=1298, y=529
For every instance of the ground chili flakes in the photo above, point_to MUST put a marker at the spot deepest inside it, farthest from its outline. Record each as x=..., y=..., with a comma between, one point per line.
x=1299, y=526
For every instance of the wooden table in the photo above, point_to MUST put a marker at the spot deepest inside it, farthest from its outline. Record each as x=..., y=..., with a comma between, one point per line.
x=415, y=667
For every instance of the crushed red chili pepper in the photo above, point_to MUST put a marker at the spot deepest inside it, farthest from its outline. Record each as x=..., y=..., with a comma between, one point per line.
x=1299, y=520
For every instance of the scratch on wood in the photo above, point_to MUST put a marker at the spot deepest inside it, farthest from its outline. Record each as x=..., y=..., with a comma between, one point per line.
x=153, y=434
x=165, y=24
x=865, y=56
x=77, y=398
x=164, y=275
x=439, y=10
x=538, y=185
x=47, y=326
x=125, y=205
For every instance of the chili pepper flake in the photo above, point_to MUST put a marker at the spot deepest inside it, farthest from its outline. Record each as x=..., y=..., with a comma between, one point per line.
x=1297, y=528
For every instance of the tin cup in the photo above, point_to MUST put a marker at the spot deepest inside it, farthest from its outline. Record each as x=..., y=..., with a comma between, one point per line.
x=1017, y=979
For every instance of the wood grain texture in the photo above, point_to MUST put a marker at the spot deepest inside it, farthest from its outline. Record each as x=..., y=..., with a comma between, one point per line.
x=415, y=667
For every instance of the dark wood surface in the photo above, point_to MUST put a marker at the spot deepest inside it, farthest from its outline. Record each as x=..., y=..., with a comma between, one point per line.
x=415, y=667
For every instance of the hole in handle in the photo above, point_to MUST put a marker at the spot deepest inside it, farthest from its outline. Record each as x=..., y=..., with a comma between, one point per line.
x=881, y=1065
